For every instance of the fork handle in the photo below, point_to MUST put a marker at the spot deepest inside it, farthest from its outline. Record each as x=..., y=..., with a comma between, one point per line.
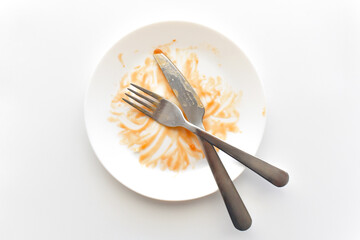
x=234, y=204
x=271, y=173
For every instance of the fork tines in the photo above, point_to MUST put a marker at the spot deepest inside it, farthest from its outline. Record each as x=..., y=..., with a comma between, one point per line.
x=154, y=95
x=141, y=102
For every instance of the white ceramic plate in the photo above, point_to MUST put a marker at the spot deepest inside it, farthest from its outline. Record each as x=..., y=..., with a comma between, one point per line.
x=230, y=63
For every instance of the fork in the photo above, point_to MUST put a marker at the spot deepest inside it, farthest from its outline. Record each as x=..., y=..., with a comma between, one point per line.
x=170, y=115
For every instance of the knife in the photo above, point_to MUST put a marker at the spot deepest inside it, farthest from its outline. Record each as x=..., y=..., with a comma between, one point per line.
x=194, y=111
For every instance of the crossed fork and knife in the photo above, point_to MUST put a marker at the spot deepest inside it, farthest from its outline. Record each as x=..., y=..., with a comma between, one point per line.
x=169, y=114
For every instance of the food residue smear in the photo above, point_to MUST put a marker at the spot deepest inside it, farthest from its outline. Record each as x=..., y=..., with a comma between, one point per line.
x=121, y=59
x=158, y=51
x=173, y=148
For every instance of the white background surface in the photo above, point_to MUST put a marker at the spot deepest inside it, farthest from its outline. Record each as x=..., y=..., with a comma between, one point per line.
x=52, y=186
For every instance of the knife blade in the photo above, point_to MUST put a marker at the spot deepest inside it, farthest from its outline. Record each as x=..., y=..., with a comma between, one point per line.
x=194, y=111
x=186, y=95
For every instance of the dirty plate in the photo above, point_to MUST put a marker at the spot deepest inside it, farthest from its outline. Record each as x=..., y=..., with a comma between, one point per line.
x=218, y=57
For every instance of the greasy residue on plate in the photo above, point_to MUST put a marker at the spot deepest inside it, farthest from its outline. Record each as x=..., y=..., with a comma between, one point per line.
x=173, y=148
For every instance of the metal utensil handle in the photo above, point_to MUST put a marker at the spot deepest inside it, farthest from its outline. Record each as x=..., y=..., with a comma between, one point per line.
x=271, y=173
x=234, y=204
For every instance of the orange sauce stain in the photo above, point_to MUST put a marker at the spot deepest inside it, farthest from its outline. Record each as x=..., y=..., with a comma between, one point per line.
x=112, y=119
x=213, y=49
x=264, y=112
x=121, y=59
x=157, y=51
x=166, y=48
x=173, y=148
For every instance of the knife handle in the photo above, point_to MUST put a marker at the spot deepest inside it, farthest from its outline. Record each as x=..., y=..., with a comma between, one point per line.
x=234, y=204
x=271, y=173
